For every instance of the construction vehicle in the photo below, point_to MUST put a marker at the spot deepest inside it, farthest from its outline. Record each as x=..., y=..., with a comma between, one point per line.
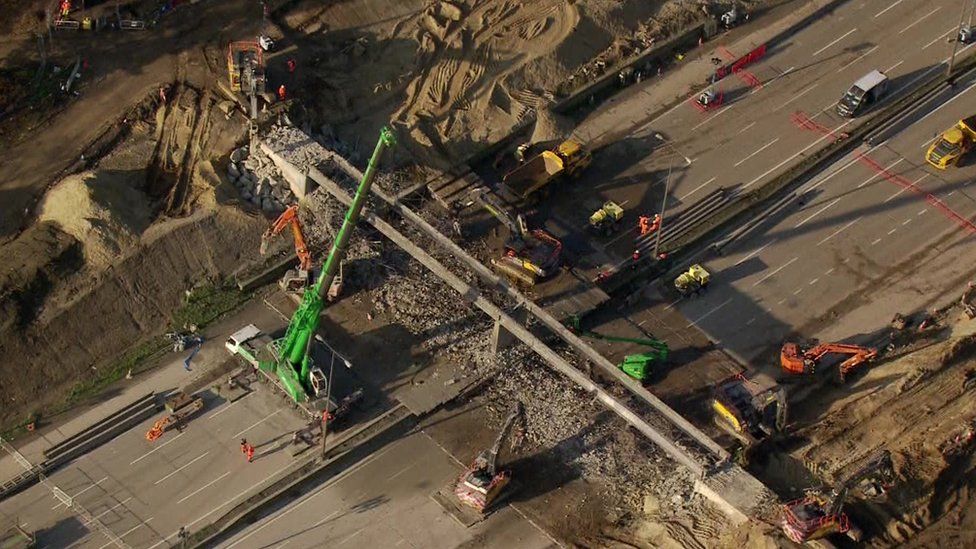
x=181, y=407
x=691, y=281
x=530, y=255
x=806, y=362
x=289, y=357
x=952, y=144
x=637, y=366
x=606, y=220
x=818, y=514
x=569, y=159
x=17, y=537
x=750, y=407
x=245, y=68
x=482, y=484
x=294, y=280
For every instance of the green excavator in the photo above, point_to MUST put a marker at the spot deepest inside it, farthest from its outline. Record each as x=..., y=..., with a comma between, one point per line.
x=289, y=357
x=638, y=366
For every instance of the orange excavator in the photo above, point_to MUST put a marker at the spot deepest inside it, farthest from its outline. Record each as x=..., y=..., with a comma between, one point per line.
x=805, y=362
x=293, y=281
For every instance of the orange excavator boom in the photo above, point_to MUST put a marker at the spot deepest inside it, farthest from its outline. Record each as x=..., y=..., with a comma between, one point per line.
x=289, y=218
x=797, y=361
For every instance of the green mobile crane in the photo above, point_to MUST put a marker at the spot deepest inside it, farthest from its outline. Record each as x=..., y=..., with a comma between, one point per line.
x=289, y=357
x=637, y=366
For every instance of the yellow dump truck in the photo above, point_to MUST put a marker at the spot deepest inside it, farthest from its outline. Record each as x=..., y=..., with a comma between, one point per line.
x=952, y=144
x=569, y=158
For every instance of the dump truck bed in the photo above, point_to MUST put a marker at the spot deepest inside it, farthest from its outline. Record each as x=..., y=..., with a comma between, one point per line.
x=968, y=124
x=534, y=174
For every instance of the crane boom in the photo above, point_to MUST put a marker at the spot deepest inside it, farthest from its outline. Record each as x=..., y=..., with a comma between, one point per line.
x=292, y=362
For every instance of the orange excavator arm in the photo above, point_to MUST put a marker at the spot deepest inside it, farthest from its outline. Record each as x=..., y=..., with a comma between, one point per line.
x=796, y=361
x=289, y=218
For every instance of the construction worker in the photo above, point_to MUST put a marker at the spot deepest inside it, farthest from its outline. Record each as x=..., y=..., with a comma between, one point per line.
x=291, y=65
x=643, y=225
x=247, y=449
x=636, y=258
x=281, y=92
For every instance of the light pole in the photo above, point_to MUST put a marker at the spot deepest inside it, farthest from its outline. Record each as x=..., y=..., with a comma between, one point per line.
x=955, y=41
x=667, y=189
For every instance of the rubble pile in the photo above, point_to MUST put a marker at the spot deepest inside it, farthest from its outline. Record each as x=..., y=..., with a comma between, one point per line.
x=259, y=180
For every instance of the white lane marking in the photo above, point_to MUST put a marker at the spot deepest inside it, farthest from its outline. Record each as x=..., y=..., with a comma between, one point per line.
x=204, y=487
x=107, y=511
x=350, y=536
x=783, y=266
x=906, y=222
x=400, y=472
x=940, y=37
x=888, y=8
x=873, y=176
x=814, y=281
x=859, y=57
x=876, y=240
x=81, y=492
x=923, y=210
x=746, y=258
x=775, y=78
x=228, y=407
x=892, y=231
x=707, y=120
x=750, y=321
x=691, y=192
x=672, y=304
x=905, y=188
x=194, y=460
x=950, y=194
x=761, y=149
x=704, y=316
x=916, y=79
x=830, y=270
x=150, y=452
x=837, y=232
x=780, y=302
x=743, y=130
x=919, y=20
x=129, y=531
x=259, y=422
x=848, y=33
x=797, y=96
x=929, y=142
x=790, y=159
x=824, y=180
x=893, y=67
x=957, y=96
x=815, y=214
x=798, y=290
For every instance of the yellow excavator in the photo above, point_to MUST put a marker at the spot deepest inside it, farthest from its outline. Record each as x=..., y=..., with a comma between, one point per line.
x=750, y=407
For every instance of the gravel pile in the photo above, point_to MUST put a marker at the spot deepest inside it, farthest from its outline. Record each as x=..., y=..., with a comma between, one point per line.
x=259, y=180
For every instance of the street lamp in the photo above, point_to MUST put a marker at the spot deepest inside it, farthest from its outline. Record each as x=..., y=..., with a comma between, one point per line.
x=667, y=189
x=955, y=41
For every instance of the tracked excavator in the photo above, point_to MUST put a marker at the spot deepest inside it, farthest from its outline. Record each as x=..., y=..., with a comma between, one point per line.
x=638, y=366
x=750, y=407
x=289, y=357
x=482, y=484
x=530, y=255
x=819, y=514
x=806, y=362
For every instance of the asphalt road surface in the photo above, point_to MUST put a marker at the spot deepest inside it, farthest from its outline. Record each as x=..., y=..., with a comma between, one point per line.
x=858, y=244
x=384, y=501
x=754, y=134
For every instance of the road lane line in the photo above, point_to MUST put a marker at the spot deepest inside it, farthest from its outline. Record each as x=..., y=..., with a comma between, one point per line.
x=693, y=191
x=935, y=110
x=862, y=56
x=903, y=189
x=893, y=67
x=940, y=37
x=814, y=281
x=228, y=407
x=873, y=176
x=350, y=536
x=923, y=210
x=815, y=214
x=259, y=422
x=888, y=8
x=848, y=33
x=824, y=180
x=780, y=302
x=129, y=531
x=835, y=233
x=673, y=303
x=906, y=222
x=950, y=194
x=920, y=19
x=798, y=153
x=775, y=78
x=400, y=472
x=107, y=511
x=150, y=452
x=929, y=142
x=746, y=258
x=707, y=120
x=797, y=96
x=831, y=269
x=892, y=231
x=704, y=316
x=783, y=266
x=798, y=290
x=202, y=488
x=81, y=492
x=743, y=130
x=761, y=149
x=876, y=240
x=194, y=460
x=750, y=321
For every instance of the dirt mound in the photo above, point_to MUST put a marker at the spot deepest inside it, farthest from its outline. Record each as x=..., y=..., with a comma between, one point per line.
x=103, y=210
x=550, y=126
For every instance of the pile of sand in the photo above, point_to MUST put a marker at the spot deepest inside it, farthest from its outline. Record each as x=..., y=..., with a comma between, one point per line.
x=104, y=210
x=550, y=126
